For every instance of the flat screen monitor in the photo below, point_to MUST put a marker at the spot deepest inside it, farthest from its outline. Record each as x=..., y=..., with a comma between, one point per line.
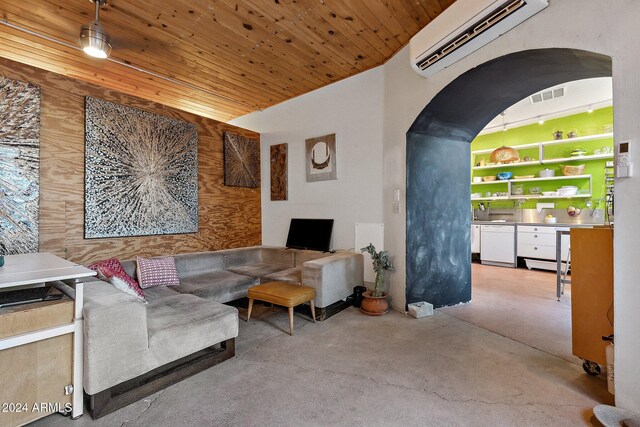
x=312, y=234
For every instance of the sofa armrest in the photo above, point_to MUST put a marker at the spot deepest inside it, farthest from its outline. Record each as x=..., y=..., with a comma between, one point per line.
x=333, y=277
x=115, y=334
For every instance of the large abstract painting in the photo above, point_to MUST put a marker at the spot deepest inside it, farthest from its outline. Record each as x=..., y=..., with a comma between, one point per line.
x=19, y=166
x=141, y=172
x=321, y=158
x=241, y=161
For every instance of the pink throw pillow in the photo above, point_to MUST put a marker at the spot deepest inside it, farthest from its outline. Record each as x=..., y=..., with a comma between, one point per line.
x=157, y=272
x=112, y=267
x=121, y=283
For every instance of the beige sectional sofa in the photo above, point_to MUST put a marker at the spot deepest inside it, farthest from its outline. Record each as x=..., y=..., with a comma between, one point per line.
x=132, y=349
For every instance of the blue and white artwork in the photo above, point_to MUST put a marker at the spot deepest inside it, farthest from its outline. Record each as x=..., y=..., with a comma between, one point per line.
x=141, y=172
x=19, y=166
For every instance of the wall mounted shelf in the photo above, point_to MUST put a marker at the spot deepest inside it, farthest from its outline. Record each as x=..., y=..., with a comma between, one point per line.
x=551, y=178
x=541, y=145
x=529, y=196
x=509, y=183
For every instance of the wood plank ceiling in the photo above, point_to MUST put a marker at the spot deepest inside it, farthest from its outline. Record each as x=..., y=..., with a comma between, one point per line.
x=218, y=59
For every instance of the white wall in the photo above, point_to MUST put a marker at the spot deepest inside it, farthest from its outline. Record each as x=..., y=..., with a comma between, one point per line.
x=607, y=27
x=352, y=109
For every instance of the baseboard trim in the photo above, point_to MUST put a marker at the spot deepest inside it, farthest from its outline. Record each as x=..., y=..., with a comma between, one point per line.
x=121, y=395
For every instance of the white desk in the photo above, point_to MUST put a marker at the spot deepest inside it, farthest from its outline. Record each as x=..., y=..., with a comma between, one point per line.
x=36, y=268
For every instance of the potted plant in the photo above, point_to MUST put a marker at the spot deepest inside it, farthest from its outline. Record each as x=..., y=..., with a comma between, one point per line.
x=375, y=302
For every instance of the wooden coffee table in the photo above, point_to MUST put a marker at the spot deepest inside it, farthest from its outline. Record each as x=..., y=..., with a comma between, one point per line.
x=285, y=294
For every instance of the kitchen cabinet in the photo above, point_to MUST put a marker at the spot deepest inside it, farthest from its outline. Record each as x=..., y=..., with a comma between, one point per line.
x=540, y=242
x=497, y=245
x=475, y=239
x=591, y=292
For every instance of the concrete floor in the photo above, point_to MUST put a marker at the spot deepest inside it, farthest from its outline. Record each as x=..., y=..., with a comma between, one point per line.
x=520, y=304
x=356, y=370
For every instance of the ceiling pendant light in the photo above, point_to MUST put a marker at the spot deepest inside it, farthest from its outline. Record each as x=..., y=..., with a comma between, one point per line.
x=94, y=40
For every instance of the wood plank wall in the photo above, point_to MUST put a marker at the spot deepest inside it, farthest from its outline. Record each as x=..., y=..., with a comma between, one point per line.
x=229, y=216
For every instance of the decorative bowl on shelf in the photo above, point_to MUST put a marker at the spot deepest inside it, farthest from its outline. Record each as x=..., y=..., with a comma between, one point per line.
x=488, y=178
x=504, y=175
x=569, y=170
x=504, y=155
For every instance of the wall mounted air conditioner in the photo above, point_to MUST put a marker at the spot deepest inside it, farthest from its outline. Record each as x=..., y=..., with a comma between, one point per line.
x=464, y=27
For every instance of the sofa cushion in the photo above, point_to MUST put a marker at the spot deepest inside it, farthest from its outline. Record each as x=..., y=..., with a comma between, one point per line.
x=303, y=256
x=182, y=324
x=157, y=272
x=258, y=254
x=219, y=286
x=258, y=269
x=241, y=256
x=290, y=275
x=194, y=264
x=159, y=292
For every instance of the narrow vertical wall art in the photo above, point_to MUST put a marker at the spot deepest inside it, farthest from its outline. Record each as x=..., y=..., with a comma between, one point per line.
x=141, y=172
x=19, y=166
x=241, y=161
x=321, y=158
x=279, y=172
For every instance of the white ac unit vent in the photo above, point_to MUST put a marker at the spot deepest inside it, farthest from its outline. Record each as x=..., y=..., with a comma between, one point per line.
x=547, y=95
x=464, y=27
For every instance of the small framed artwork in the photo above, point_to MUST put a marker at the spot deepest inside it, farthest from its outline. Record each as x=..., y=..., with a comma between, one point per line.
x=279, y=172
x=241, y=161
x=321, y=158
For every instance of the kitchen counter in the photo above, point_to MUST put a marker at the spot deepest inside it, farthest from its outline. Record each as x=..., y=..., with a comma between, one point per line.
x=541, y=224
x=494, y=222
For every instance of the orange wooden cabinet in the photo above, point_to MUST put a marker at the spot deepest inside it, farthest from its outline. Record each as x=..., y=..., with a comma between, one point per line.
x=591, y=291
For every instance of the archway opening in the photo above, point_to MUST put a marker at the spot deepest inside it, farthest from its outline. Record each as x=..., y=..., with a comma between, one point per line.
x=438, y=241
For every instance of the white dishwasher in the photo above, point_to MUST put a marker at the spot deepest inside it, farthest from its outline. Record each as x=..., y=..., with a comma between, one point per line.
x=498, y=245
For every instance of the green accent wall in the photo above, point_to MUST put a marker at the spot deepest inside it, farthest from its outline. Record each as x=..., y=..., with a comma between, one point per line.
x=584, y=124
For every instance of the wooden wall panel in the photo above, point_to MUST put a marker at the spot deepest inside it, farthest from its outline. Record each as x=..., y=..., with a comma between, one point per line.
x=229, y=217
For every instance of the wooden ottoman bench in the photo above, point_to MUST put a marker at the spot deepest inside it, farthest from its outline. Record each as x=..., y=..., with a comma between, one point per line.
x=285, y=294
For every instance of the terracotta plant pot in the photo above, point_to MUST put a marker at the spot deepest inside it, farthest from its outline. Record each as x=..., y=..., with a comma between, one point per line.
x=374, y=306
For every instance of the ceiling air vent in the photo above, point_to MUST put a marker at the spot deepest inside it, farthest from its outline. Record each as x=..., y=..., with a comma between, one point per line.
x=547, y=95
